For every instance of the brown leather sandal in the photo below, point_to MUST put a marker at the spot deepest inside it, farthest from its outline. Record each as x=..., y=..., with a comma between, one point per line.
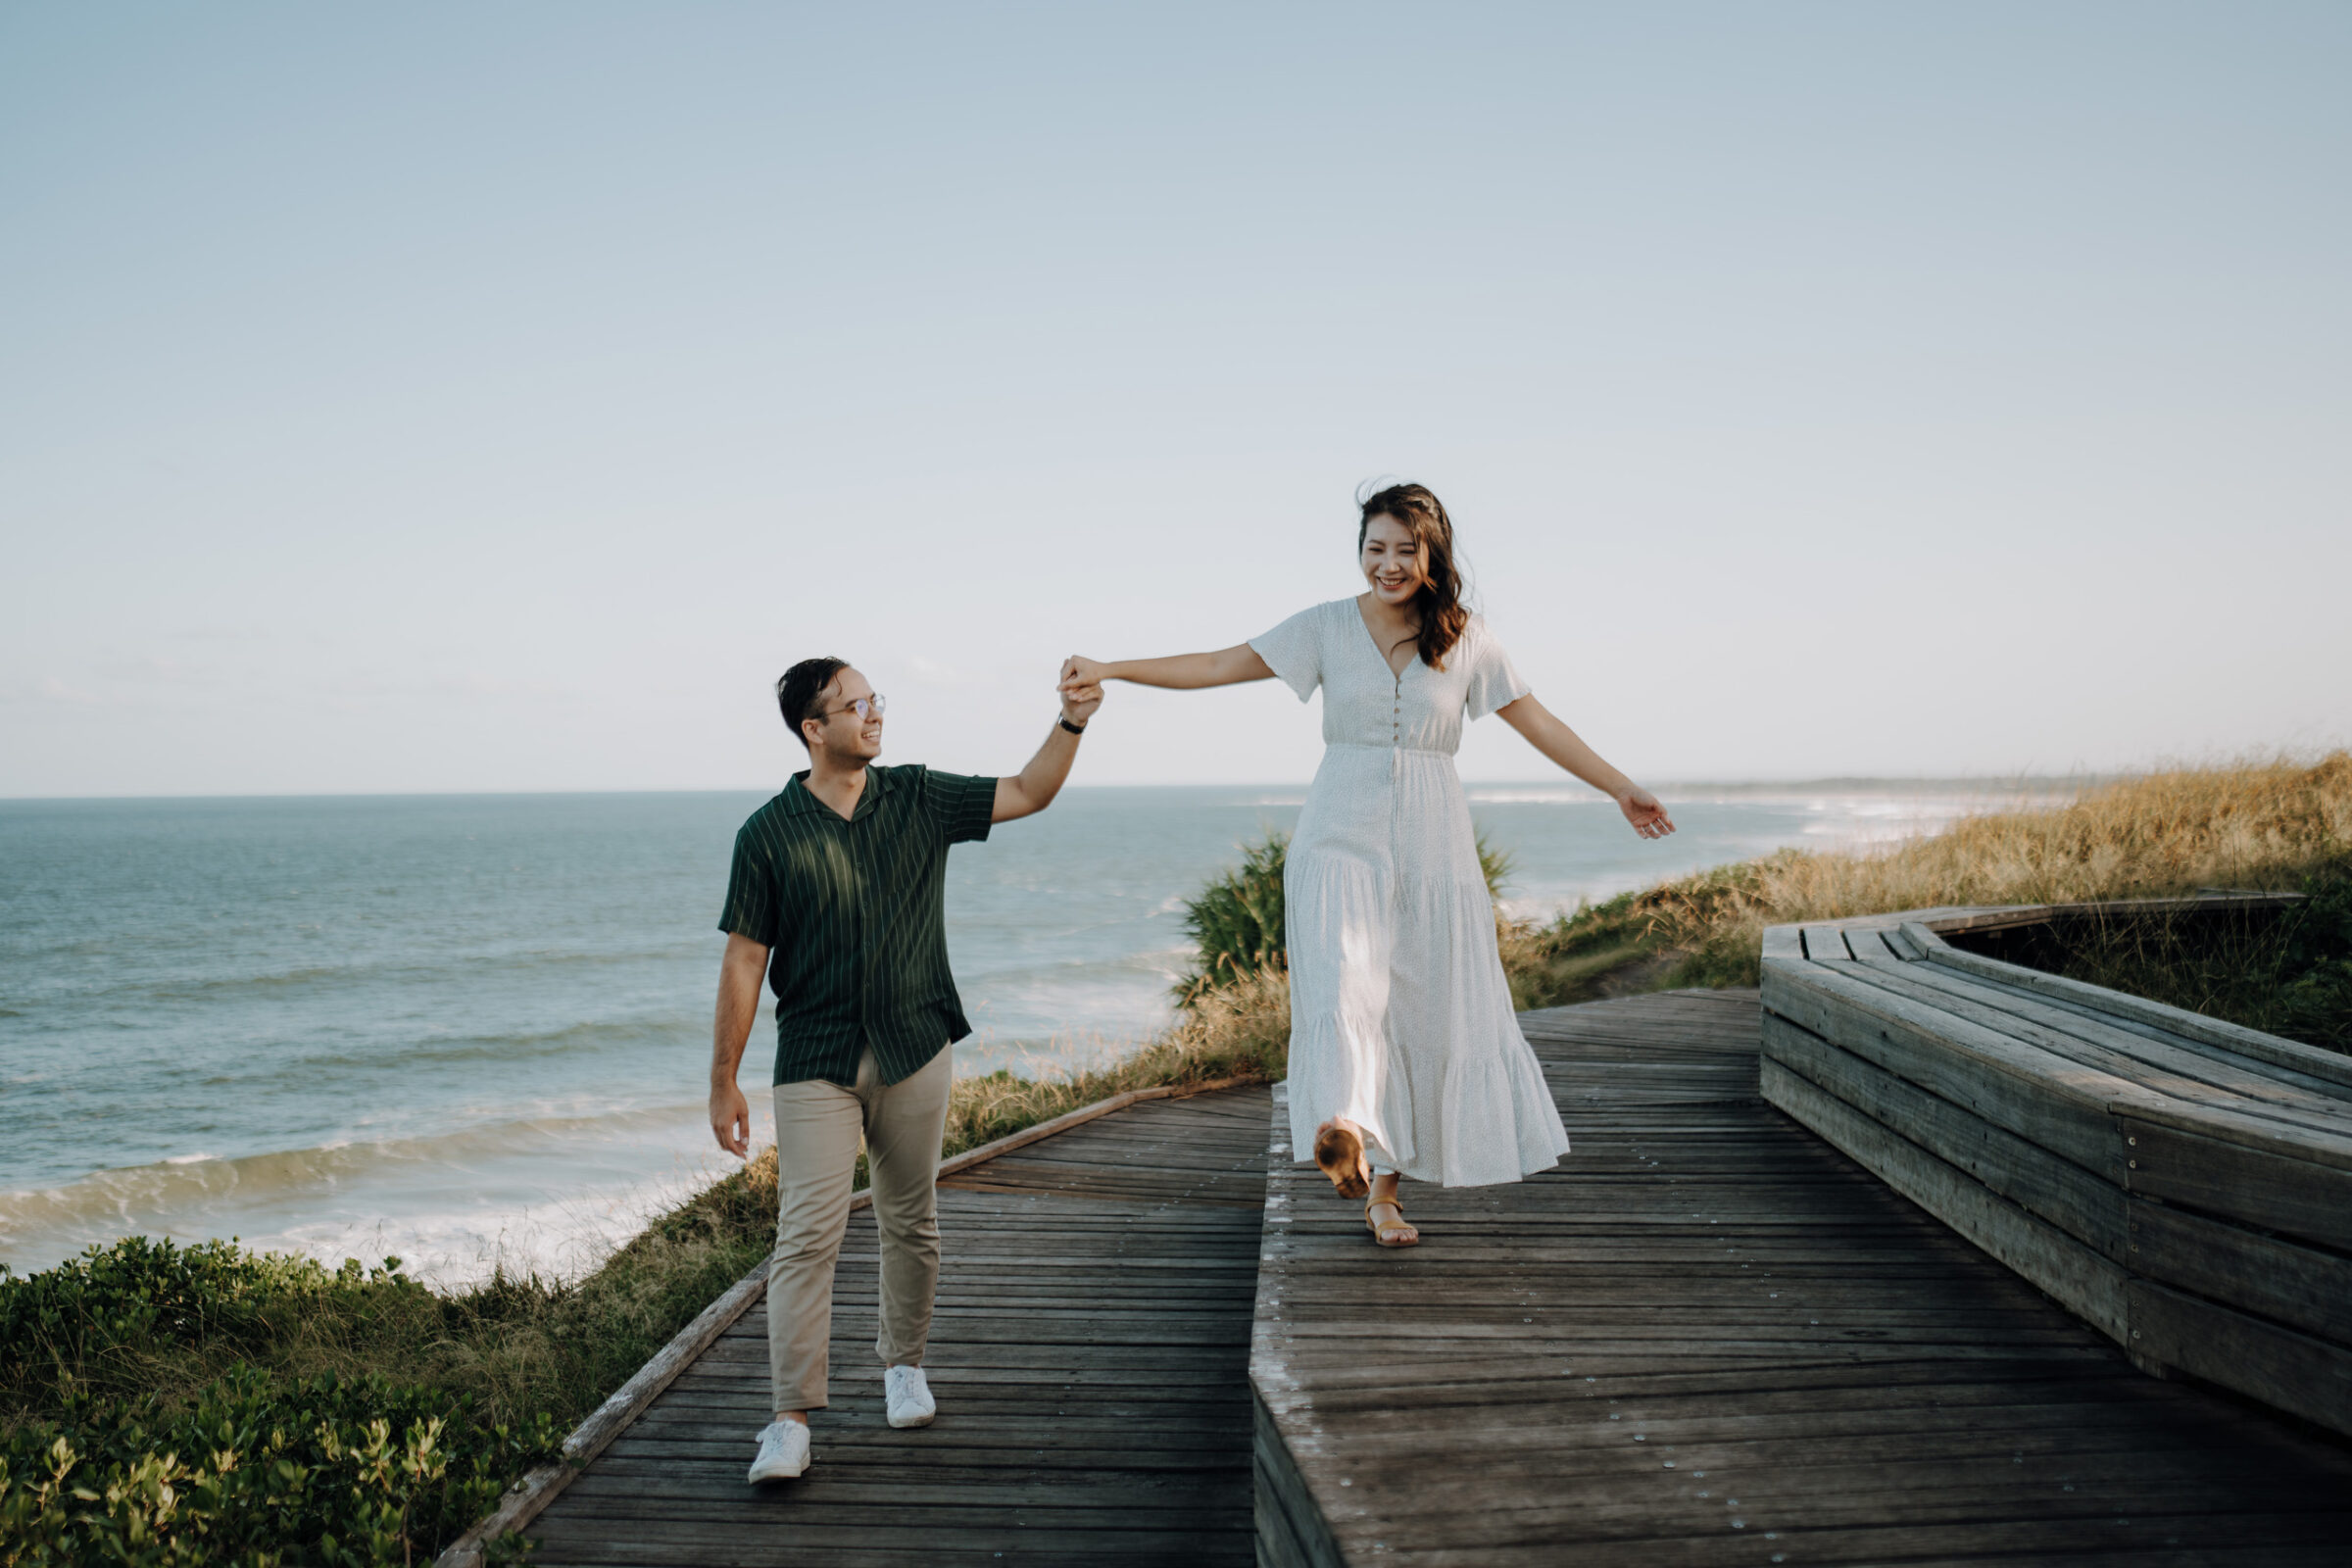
x=1398, y=1223
x=1339, y=1156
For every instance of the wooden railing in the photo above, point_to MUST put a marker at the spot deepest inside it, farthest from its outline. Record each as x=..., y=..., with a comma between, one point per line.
x=2182, y=1184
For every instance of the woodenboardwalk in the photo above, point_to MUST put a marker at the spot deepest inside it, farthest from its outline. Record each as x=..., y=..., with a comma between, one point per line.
x=1088, y=1356
x=1709, y=1338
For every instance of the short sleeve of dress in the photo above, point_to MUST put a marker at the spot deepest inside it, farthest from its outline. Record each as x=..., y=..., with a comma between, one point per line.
x=1494, y=681
x=1293, y=651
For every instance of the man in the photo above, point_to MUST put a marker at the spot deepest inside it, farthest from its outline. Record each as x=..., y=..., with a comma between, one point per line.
x=836, y=898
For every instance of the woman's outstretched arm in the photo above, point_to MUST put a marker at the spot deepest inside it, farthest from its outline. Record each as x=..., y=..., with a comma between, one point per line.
x=1226, y=667
x=1562, y=745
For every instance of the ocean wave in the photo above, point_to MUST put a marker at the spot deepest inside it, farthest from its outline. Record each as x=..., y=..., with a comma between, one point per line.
x=132, y=1196
x=453, y=1051
x=438, y=968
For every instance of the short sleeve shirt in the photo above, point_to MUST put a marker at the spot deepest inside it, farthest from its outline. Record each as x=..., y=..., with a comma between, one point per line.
x=854, y=916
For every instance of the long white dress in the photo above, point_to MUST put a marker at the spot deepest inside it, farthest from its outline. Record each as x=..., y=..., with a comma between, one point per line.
x=1401, y=1017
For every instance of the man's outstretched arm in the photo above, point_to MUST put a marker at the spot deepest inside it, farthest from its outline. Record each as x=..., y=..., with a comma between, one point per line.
x=1034, y=787
x=739, y=972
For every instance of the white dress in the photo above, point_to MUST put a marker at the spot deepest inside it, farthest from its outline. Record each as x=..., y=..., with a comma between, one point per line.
x=1401, y=1019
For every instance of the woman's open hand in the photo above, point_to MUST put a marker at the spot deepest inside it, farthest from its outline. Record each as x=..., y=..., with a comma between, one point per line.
x=1642, y=809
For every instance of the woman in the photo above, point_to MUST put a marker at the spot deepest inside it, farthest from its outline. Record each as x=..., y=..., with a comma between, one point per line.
x=1405, y=1055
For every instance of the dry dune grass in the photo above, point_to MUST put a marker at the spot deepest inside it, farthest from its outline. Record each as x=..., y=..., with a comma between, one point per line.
x=2249, y=824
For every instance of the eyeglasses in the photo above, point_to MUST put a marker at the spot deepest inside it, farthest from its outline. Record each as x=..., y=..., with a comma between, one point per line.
x=864, y=707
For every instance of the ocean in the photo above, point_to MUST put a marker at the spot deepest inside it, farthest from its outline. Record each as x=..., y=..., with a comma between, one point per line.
x=468, y=1031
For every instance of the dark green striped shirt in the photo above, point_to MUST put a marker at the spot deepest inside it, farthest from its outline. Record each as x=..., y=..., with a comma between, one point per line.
x=854, y=916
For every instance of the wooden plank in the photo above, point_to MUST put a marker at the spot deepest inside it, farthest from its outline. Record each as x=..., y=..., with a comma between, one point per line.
x=2264, y=1275
x=2079, y=1201
x=1783, y=942
x=2291, y=1371
x=2256, y=1186
x=2312, y=1059
x=1824, y=944
x=1289, y=1528
x=1866, y=941
x=2086, y=1283
x=2179, y=1067
x=2042, y=1098
x=1875, y=1014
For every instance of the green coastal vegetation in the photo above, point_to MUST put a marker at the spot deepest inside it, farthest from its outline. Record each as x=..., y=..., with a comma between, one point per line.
x=207, y=1404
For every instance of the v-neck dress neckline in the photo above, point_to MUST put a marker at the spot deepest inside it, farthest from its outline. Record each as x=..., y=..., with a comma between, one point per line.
x=1372, y=639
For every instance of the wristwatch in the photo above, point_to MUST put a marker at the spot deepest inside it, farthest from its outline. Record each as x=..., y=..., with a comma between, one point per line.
x=1075, y=729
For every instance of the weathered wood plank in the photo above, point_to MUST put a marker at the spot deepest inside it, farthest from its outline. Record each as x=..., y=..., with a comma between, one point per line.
x=2041, y=1097
x=2087, y=1284
x=2079, y=1201
x=1826, y=944
x=1780, y=1325
x=2277, y=1365
x=2257, y=1186
x=2269, y=1277
x=2183, y=1069
x=2311, y=1059
x=1089, y=1353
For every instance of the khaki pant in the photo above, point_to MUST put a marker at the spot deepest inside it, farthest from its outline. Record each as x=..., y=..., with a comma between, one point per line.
x=817, y=1127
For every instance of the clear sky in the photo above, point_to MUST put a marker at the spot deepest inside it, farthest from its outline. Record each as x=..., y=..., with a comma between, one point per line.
x=482, y=398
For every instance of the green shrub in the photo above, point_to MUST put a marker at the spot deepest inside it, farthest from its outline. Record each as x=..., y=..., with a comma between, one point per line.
x=256, y=1473
x=210, y=1404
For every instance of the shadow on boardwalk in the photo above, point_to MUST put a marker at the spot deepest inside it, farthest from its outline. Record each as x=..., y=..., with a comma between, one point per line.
x=1708, y=1339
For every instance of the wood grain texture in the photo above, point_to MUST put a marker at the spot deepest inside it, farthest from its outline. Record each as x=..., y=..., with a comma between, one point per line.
x=523, y=1502
x=1088, y=1356
x=1709, y=1338
x=2078, y=1201
x=2006, y=1103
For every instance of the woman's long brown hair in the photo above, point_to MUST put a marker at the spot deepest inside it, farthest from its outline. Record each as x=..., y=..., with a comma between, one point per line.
x=1440, y=600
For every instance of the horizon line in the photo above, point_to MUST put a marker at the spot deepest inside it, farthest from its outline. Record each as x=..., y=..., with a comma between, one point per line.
x=1848, y=781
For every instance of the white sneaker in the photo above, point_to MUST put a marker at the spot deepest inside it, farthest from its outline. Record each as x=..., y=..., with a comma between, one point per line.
x=783, y=1451
x=909, y=1396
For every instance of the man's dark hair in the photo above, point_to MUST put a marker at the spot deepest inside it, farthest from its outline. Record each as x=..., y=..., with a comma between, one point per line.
x=799, y=688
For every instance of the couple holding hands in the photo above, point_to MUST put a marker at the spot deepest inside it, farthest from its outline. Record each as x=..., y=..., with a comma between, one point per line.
x=1405, y=1057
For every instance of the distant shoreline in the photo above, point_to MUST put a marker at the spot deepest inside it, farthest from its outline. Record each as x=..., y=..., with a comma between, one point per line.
x=1893, y=784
